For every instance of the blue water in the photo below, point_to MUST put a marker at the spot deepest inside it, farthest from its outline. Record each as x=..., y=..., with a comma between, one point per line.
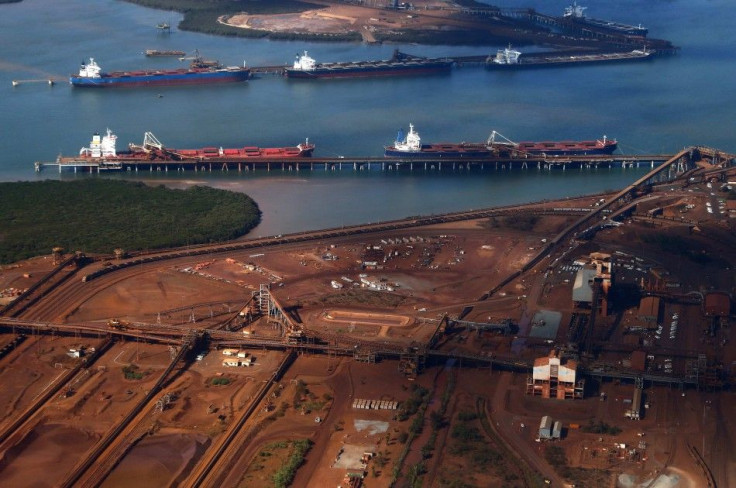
x=654, y=107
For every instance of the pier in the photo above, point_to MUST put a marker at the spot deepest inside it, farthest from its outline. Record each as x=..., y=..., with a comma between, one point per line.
x=437, y=164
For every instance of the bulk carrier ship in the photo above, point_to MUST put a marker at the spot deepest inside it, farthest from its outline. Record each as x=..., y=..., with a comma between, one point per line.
x=400, y=64
x=103, y=152
x=508, y=58
x=575, y=14
x=410, y=146
x=200, y=72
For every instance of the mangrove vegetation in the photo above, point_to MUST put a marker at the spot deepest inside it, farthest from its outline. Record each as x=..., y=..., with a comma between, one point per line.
x=99, y=215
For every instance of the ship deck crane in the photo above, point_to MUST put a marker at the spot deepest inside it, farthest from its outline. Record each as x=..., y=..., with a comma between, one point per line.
x=504, y=140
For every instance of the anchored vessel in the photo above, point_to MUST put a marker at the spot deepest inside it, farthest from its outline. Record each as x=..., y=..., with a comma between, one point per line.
x=102, y=153
x=412, y=147
x=575, y=13
x=509, y=58
x=399, y=64
x=199, y=72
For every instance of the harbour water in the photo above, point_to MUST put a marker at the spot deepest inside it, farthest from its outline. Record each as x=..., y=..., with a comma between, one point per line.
x=651, y=107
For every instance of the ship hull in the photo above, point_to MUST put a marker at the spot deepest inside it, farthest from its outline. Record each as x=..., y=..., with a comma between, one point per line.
x=583, y=148
x=430, y=151
x=579, y=60
x=614, y=27
x=174, y=78
x=371, y=70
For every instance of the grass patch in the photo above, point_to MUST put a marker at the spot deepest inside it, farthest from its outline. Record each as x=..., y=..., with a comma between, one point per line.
x=220, y=381
x=99, y=215
x=276, y=464
x=132, y=372
x=285, y=475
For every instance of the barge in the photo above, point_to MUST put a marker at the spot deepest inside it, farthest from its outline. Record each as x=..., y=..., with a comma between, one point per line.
x=400, y=64
x=200, y=72
x=156, y=52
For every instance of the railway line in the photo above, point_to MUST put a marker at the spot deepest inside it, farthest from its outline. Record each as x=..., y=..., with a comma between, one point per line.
x=35, y=292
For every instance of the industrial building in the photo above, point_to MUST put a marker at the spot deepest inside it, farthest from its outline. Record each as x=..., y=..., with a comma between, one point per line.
x=649, y=311
x=717, y=304
x=554, y=378
x=549, y=429
x=545, y=427
x=592, y=284
x=634, y=413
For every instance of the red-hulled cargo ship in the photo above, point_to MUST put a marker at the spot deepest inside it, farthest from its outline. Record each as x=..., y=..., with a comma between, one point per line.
x=102, y=151
x=410, y=146
x=553, y=148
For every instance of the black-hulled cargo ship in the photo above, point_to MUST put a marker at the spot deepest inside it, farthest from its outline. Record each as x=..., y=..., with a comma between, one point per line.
x=400, y=64
x=509, y=58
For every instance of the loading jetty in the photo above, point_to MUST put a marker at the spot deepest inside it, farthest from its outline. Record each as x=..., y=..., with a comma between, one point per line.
x=491, y=163
x=499, y=153
x=577, y=29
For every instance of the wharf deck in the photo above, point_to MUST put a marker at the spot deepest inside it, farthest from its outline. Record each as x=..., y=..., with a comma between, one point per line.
x=429, y=163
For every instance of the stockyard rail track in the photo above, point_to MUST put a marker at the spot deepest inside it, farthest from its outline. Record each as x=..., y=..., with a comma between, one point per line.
x=8, y=435
x=227, y=449
x=52, y=279
x=81, y=474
